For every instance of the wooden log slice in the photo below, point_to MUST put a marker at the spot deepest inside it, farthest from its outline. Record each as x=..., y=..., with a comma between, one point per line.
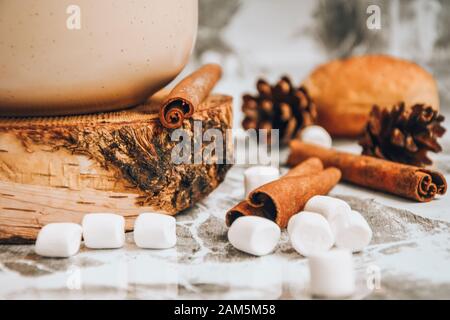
x=59, y=168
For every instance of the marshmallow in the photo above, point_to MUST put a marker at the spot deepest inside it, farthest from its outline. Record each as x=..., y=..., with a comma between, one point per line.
x=316, y=135
x=352, y=231
x=329, y=207
x=254, y=235
x=103, y=231
x=257, y=176
x=58, y=240
x=310, y=233
x=332, y=274
x=155, y=231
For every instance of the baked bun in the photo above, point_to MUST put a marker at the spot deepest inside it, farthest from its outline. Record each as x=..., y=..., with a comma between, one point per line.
x=345, y=90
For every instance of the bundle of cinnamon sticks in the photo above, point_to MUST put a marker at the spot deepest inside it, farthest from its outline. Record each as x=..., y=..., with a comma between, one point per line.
x=281, y=199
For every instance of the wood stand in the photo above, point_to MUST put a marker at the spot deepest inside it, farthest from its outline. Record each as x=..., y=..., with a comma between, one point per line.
x=57, y=169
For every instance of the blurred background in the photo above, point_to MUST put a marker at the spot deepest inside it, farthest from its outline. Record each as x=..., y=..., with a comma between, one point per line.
x=253, y=38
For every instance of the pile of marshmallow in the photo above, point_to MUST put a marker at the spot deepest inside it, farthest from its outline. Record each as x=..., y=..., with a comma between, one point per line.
x=326, y=222
x=105, y=231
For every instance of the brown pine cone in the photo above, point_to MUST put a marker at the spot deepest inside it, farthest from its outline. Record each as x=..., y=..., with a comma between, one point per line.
x=281, y=106
x=403, y=135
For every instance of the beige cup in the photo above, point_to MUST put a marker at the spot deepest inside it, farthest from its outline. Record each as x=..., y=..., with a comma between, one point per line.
x=62, y=57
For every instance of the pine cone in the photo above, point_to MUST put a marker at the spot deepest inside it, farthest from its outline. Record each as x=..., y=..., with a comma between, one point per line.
x=282, y=107
x=403, y=135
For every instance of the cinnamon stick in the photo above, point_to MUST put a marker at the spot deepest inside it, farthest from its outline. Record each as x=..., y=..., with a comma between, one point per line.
x=243, y=208
x=400, y=179
x=310, y=166
x=187, y=95
x=283, y=198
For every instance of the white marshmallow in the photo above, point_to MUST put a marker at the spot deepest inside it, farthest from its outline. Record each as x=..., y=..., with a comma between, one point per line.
x=103, y=231
x=332, y=274
x=316, y=135
x=255, y=235
x=155, y=231
x=352, y=231
x=58, y=240
x=310, y=233
x=327, y=206
x=257, y=176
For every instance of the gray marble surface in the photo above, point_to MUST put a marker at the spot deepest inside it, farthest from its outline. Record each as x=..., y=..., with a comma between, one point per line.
x=409, y=257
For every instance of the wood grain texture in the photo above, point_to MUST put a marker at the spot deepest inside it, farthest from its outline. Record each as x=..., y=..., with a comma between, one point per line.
x=59, y=168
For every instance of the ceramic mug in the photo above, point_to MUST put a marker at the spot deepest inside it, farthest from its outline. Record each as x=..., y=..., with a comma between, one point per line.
x=61, y=57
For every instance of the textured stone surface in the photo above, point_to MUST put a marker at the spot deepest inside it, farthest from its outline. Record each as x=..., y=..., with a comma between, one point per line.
x=410, y=252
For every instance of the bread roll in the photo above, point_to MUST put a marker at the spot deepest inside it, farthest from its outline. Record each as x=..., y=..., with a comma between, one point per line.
x=345, y=90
